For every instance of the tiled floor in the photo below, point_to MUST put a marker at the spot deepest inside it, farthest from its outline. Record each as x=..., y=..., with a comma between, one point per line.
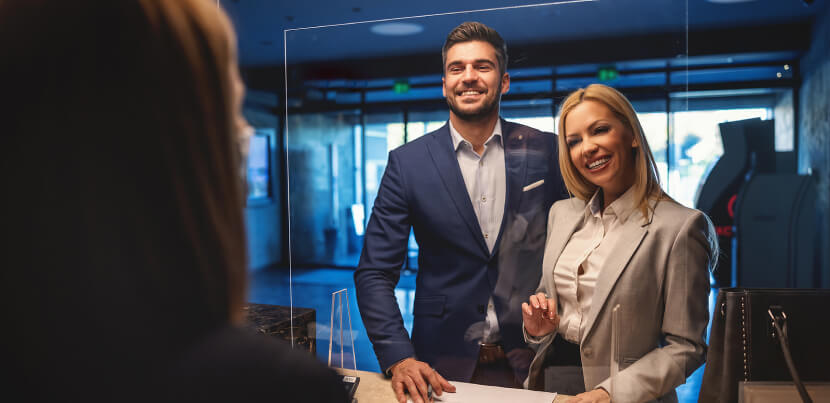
x=313, y=288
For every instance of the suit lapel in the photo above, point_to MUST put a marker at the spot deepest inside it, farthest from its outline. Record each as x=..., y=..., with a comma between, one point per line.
x=443, y=156
x=563, y=230
x=619, y=259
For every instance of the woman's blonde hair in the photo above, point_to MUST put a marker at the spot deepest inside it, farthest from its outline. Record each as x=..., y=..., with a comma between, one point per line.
x=646, y=179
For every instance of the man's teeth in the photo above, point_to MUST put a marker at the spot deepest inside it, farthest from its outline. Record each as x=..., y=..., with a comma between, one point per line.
x=598, y=162
x=470, y=92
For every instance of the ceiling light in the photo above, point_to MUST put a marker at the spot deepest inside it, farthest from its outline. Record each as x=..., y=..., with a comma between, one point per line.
x=778, y=74
x=397, y=28
x=729, y=1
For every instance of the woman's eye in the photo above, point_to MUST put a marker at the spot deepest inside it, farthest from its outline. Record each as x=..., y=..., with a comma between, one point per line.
x=601, y=129
x=572, y=143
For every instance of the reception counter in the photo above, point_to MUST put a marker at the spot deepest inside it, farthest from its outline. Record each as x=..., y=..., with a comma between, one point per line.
x=375, y=388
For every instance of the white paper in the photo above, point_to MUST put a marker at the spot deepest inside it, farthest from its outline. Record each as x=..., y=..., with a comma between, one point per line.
x=473, y=393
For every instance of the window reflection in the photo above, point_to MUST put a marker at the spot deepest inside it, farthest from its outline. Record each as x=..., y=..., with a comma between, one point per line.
x=322, y=188
x=384, y=132
x=259, y=167
x=337, y=159
x=696, y=146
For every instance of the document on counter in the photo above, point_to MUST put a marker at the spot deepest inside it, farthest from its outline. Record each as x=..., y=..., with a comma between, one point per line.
x=474, y=393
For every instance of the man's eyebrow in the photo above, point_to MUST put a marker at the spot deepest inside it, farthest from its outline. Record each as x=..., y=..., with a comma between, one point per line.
x=477, y=61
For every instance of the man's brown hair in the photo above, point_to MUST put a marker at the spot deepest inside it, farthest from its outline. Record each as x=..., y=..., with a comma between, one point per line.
x=476, y=31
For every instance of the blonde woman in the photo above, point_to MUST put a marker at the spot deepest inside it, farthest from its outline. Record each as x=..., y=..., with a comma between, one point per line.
x=621, y=242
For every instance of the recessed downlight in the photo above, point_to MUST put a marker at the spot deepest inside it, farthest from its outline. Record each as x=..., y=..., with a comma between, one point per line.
x=397, y=28
x=729, y=1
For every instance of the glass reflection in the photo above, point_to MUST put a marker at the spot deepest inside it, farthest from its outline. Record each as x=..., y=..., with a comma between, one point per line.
x=322, y=157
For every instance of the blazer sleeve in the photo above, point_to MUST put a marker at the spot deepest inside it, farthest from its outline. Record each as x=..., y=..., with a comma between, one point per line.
x=537, y=340
x=377, y=274
x=685, y=316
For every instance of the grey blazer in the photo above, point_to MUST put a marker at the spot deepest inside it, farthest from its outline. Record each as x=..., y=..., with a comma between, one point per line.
x=659, y=275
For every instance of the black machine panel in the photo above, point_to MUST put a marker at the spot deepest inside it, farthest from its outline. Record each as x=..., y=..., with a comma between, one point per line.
x=758, y=202
x=776, y=228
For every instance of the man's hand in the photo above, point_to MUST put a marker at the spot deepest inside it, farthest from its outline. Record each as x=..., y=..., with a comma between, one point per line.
x=539, y=315
x=412, y=376
x=595, y=396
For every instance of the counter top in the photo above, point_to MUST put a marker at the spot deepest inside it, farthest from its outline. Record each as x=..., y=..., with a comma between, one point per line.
x=375, y=388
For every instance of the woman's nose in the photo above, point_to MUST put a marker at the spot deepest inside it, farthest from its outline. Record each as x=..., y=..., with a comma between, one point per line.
x=588, y=147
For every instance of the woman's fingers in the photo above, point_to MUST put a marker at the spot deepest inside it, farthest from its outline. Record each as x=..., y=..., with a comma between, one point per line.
x=551, y=308
x=533, y=301
x=539, y=314
x=526, y=310
x=542, y=300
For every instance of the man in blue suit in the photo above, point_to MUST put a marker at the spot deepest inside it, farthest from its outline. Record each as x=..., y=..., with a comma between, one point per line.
x=476, y=192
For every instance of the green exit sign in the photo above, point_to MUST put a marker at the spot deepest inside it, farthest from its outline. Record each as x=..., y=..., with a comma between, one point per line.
x=401, y=87
x=607, y=73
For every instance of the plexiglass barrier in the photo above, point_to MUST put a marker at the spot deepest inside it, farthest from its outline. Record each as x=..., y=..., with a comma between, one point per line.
x=357, y=90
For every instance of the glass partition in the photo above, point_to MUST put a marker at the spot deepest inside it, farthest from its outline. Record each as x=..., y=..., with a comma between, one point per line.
x=353, y=95
x=356, y=90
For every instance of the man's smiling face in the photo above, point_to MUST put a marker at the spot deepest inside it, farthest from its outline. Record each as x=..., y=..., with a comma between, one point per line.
x=473, y=81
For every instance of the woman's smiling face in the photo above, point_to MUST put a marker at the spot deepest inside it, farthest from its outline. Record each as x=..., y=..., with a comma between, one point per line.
x=601, y=147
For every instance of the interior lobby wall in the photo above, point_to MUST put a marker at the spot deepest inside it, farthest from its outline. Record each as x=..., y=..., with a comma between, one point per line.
x=814, y=130
x=263, y=219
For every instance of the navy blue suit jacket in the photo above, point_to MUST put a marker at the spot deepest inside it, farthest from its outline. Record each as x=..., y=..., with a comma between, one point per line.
x=423, y=189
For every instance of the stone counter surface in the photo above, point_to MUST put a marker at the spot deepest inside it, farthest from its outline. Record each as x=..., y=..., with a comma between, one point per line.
x=275, y=320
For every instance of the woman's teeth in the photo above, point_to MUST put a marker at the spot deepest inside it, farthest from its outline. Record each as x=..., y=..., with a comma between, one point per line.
x=598, y=162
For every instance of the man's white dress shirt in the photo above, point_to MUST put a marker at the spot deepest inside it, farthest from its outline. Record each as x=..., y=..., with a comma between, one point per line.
x=484, y=177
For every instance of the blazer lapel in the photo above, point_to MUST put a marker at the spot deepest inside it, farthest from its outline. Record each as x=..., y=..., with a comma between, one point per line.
x=620, y=257
x=443, y=155
x=557, y=239
x=561, y=233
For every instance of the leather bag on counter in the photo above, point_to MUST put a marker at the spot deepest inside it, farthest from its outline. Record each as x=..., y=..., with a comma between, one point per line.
x=745, y=343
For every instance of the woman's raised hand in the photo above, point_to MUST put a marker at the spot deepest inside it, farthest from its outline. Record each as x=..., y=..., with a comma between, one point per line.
x=539, y=315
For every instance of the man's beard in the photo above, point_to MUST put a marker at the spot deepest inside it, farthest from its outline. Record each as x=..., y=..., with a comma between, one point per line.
x=485, y=110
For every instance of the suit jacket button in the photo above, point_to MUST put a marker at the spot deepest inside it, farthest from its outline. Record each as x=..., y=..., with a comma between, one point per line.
x=482, y=309
x=588, y=351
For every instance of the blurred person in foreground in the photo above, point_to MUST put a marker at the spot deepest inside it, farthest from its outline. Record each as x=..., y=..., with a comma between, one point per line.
x=622, y=243
x=124, y=264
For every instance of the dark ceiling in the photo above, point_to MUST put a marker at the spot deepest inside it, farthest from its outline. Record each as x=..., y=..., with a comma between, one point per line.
x=326, y=30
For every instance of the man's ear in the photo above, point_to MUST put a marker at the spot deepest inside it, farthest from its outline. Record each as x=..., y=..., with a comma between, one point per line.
x=443, y=86
x=505, y=83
